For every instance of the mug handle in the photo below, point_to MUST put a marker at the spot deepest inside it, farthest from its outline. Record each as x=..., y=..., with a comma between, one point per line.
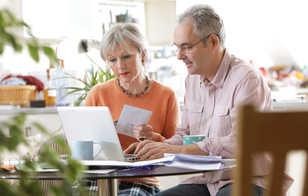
x=99, y=150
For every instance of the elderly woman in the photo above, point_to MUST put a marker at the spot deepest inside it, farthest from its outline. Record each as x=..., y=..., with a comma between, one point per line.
x=124, y=50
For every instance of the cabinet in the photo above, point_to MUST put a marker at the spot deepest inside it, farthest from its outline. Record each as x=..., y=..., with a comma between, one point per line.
x=160, y=21
x=110, y=12
x=156, y=17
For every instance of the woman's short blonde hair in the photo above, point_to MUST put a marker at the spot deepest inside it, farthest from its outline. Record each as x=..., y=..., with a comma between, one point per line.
x=123, y=34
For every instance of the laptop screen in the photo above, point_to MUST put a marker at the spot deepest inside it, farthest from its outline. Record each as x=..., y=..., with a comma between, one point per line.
x=95, y=124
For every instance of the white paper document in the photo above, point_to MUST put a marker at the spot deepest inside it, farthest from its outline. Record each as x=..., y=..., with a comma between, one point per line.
x=101, y=171
x=130, y=117
x=106, y=163
x=196, y=162
x=194, y=158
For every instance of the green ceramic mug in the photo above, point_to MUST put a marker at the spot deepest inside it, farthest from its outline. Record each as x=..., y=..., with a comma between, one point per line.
x=192, y=139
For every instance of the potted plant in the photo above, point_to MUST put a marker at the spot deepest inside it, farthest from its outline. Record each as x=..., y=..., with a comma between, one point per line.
x=92, y=77
x=12, y=131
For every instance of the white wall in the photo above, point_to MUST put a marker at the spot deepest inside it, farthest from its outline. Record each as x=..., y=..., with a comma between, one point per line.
x=253, y=26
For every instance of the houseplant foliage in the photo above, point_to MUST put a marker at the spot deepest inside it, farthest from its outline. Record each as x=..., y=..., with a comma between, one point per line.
x=71, y=171
x=8, y=25
x=92, y=77
x=12, y=131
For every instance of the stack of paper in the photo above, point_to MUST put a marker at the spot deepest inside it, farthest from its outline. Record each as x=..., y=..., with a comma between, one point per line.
x=122, y=164
x=196, y=162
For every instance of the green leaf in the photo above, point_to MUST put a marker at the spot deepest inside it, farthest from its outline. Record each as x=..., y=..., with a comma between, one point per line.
x=33, y=51
x=40, y=128
x=49, y=52
x=13, y=41
x=31, y=165
x=20, y=119
x=7, y=189
x=1, y=48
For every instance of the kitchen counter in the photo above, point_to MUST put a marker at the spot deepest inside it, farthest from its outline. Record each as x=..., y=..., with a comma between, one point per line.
x=47, y=118
x=290, y=98
x=6, y=110
x=290, y=105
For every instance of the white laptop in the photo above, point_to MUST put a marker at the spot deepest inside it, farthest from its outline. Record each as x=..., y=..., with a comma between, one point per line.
x=96, y=124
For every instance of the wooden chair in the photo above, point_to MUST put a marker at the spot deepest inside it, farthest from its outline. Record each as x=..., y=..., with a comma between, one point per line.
x=273, y=132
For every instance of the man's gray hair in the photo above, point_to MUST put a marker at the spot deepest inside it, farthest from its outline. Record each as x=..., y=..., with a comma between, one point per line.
x=205, y=21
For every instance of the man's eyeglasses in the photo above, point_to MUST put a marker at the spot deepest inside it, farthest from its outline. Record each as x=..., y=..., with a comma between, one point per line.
x=186, y=49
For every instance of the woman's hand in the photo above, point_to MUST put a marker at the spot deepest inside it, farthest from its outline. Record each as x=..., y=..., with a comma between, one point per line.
x=143, y=132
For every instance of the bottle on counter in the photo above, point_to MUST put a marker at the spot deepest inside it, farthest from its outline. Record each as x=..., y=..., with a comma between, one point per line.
x=50, y=92
x=60, y=82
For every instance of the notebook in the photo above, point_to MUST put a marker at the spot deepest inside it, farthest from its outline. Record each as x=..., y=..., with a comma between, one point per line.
x=96, y=124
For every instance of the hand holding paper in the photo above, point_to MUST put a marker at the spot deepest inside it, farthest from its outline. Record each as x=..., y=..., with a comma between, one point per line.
x=130, y=117
x=143, y=132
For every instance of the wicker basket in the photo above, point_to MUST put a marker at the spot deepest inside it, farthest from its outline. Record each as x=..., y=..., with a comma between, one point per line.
x=18, y=95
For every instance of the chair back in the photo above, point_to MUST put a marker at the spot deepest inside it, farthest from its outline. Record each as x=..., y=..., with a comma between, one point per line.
x=59, y=144
x=56, y=143
x=275, y=133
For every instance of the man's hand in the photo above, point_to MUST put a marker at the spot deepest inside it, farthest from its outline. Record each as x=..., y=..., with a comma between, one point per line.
x=134, y=147
x=131, y=148
x=154, y=150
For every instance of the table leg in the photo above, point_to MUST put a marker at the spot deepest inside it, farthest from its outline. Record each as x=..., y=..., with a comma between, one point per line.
x=107, y=187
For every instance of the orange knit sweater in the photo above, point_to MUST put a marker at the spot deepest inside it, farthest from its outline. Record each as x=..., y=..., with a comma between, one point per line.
x=160, y=99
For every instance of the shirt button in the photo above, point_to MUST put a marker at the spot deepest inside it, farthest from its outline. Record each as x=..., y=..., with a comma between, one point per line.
x=212, y=93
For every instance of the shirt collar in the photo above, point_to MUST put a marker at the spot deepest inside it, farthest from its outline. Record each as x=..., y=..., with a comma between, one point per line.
x=204, y=80
x=221, y=74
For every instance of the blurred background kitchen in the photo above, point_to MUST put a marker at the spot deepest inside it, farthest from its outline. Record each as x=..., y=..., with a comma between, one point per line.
x=272, y=35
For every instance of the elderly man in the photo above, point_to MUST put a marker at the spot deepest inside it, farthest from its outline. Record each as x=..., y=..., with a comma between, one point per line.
x=216, y=84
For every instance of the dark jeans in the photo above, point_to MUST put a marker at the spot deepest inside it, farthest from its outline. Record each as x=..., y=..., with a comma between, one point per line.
x=201, y=189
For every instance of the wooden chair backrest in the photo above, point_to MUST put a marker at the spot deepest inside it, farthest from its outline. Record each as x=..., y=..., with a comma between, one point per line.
x=273, y=132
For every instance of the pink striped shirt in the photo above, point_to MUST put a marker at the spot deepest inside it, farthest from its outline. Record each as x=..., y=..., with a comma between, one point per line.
x=211, y=110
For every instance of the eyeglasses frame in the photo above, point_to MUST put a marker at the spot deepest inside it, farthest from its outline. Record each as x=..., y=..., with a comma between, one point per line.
x=188, y=48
